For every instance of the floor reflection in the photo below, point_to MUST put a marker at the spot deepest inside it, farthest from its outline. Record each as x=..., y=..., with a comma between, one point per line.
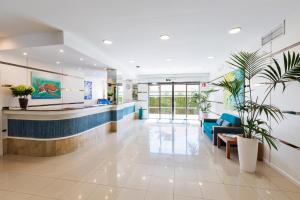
x=174, y=138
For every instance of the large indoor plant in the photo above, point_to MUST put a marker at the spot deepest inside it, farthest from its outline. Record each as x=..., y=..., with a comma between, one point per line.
x=255, y=111
x=201, y=100
x=22, y=91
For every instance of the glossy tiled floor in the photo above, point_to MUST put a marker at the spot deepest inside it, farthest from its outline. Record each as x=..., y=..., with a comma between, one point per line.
x=144, y=161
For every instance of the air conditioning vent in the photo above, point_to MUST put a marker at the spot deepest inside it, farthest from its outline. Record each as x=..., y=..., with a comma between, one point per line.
x=275, y=33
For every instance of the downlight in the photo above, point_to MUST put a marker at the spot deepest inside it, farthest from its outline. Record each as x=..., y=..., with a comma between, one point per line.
x=235, y=30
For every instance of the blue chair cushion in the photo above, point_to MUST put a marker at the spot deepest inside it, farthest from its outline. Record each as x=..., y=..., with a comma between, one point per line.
x=220, y=121
x=234, y=120
x=104, y=101
x=226, y=123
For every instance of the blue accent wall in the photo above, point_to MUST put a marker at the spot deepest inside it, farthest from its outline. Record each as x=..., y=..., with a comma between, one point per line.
x=43, y=129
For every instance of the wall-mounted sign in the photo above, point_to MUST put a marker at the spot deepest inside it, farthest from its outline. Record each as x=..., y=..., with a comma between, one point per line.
x=88, y=90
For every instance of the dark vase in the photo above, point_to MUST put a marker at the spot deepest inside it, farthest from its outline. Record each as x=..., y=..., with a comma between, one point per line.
x=23, y=103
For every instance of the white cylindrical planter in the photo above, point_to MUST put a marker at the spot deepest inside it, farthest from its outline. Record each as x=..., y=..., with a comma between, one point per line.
x=247, y=150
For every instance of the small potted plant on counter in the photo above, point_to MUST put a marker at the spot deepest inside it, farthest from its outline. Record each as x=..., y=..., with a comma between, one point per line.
x=22, y=91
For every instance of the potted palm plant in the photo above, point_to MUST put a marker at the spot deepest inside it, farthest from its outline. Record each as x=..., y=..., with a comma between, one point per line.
x=202, y=101
x=255, y=111
x=22, y=91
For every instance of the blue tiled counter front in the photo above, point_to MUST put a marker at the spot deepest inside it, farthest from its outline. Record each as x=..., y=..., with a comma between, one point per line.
x=65, y=127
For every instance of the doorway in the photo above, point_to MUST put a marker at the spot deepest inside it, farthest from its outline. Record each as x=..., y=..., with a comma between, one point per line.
x=172, y=101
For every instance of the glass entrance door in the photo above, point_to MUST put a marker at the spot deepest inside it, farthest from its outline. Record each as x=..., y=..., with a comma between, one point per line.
x=172, y=101
x=180, y=103
x=166, y=101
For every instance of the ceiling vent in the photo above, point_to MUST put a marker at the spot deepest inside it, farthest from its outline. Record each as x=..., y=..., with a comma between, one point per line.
x=275, y=33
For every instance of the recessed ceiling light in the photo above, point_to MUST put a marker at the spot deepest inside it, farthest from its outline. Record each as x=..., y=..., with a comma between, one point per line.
x=210, y=57
x=81, y=59
x=235, y=30
x=25, y=54
x=165, y=37
x=131, y=61
x=107, y=42
x=95, y=64
x=61, y=51
x=57, y=62
x=168, y=59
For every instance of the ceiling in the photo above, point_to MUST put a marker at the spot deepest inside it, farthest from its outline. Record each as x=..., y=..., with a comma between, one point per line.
x=198, y=28
x=58, y=56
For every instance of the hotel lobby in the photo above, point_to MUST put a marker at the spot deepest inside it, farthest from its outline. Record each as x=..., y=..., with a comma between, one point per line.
x=146, y=100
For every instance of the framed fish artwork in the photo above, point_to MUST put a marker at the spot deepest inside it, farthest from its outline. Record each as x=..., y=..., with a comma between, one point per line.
x=46, y=85
x=88, y=90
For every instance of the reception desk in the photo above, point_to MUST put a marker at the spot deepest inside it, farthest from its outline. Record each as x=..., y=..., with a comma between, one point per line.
x=50, y=132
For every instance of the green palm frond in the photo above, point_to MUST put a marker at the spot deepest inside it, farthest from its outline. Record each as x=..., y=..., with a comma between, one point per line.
x=234, y=87
x=251, y=63
x=281, y=75
x=270, y=111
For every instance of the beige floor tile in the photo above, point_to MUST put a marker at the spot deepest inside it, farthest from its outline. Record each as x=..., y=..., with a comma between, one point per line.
x=209, y=175
x=267, y=194
x=160, y=184
x=284, y=184
x=158, y=196
x=25, y=183
x=215, y=191
x=109, y=177
x=56, y=188
x=178, y=197
x=186, y=174
x=258, y=181
x=188, y=188
x=138, y=181
x=163, y=171
x=78, y=191
x=6, y=195
x=127, y=194
x=293, y=196
x=38, y=198
x=240, y=192
x=104, y=192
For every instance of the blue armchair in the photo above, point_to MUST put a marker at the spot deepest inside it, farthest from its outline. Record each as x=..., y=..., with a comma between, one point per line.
x=211, y=128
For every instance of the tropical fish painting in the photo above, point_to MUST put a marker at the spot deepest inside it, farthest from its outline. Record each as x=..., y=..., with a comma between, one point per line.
x=46, y=86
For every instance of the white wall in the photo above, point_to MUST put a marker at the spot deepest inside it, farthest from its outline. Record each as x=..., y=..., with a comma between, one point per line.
x=286, y=159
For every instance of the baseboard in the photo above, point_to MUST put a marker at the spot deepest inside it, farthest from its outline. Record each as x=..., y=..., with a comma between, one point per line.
x=282, y=172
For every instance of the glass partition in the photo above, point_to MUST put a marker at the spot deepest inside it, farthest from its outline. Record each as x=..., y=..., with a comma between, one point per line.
x=166, y=101
x=180, y=103
x=154, y=101
x=192, y=110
